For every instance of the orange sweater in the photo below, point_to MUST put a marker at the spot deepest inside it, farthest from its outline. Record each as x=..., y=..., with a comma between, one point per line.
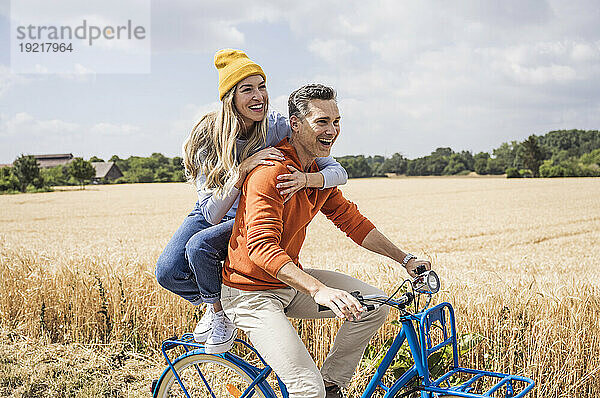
x=268, y=234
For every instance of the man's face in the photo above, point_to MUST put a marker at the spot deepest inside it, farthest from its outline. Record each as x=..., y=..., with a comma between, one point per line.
x=316, y=132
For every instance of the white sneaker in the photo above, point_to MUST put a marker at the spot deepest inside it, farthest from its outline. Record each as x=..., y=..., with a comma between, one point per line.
x=204, y=325
x=222, y=336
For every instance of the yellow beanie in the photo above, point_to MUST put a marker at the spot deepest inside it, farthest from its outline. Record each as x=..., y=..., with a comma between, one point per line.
x=234, y=66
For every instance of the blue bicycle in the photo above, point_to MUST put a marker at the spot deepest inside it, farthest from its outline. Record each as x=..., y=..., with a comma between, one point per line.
x=427, y=331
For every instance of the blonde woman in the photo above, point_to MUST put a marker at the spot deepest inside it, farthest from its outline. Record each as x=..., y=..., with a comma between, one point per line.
x=218, y=155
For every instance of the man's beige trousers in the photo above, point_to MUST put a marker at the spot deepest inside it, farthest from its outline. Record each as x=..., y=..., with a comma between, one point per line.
x=262, y=315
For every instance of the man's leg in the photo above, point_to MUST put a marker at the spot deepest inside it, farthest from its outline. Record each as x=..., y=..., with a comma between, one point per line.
x=353, y=337
x=261, y=316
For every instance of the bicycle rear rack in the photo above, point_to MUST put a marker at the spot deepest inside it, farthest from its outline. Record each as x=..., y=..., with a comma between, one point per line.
x=442, y=315
x=463, y=389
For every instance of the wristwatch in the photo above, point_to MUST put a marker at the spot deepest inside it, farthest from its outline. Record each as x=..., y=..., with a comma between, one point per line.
x=407, y=258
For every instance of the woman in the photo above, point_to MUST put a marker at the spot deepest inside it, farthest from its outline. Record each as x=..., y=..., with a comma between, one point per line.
x=218, y=154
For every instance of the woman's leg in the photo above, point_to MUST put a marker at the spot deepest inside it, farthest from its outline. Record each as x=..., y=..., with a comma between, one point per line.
x=205, y=251
x=173, y=271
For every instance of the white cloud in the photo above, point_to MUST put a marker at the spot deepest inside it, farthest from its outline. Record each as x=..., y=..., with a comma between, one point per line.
x=8, y=79
x=410, y=75
x=190, y=114
x=111, y=129
x=24, y=124
x=74, y=11
x=80, y=74
x=331, y=50
x=81, y=70
x=584, y=52
x=29, y=134
x=202, y=26
x=543, y=74
x=279, y=104
x=24, y=133
x=466, y=74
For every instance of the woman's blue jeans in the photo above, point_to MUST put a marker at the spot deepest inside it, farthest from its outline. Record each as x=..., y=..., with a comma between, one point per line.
x=190, y=266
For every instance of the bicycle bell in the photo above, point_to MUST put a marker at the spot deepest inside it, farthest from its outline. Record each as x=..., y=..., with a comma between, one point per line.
x=427, y=282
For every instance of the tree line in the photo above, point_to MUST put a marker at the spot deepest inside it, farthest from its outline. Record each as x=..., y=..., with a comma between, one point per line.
x=25, y=175
x=562, y=153
x=155, y=168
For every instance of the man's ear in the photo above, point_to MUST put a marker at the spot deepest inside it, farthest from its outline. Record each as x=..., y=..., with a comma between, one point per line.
x=295, y=123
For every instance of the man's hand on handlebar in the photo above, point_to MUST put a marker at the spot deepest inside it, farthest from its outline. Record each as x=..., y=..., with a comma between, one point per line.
x=342, y=303
x=413, y=264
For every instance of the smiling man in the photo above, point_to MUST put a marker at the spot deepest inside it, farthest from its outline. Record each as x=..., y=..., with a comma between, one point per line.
x=263, y=281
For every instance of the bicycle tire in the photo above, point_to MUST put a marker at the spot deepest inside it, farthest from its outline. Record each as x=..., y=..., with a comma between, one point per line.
x=218, y=372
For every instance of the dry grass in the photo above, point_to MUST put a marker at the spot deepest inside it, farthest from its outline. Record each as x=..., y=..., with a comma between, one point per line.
x=30, y=368
x=519, y=260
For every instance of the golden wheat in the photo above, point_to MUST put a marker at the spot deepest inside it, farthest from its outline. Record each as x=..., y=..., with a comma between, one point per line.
x=519, y=260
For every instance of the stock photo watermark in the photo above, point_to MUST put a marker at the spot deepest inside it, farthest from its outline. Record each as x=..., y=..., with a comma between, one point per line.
x=77, y=37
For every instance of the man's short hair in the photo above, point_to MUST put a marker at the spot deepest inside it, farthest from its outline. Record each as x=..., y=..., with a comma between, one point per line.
x=298, y=101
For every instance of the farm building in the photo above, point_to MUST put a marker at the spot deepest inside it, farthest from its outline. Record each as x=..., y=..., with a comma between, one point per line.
x=46, y=161
x=54, y=160
x=106, y=171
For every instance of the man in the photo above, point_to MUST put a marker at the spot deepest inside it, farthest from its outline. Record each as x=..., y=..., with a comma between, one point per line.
x=263, y=282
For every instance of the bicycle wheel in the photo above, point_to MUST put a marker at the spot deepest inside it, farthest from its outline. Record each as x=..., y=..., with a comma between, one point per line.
x=205, y=375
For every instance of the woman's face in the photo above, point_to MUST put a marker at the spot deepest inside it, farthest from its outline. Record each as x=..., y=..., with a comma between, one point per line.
x=251, y=99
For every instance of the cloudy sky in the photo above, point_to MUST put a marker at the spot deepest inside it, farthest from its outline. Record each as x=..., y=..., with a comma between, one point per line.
x=411, y=75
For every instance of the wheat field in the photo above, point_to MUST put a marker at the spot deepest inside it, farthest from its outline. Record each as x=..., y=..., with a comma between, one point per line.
x=82, y=315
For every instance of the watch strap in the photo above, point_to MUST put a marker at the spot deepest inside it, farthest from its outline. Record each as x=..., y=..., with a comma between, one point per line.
x=407, y=258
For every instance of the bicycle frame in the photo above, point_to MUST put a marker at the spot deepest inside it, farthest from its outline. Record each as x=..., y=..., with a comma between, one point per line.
x=421, y=348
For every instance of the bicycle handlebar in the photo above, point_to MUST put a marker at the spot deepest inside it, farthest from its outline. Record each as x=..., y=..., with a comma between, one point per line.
x=427, y=282
x=402, y=301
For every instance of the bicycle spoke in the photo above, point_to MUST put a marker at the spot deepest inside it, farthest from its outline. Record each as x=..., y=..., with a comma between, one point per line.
x=204, y=376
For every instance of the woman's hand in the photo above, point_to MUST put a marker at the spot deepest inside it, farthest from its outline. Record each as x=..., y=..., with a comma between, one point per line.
x=260, y=157
x=291, y=183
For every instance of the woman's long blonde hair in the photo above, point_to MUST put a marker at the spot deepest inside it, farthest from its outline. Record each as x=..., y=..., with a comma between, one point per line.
x=211, y=146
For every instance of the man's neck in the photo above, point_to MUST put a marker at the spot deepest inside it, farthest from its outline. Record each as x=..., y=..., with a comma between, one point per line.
x=305, y=158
